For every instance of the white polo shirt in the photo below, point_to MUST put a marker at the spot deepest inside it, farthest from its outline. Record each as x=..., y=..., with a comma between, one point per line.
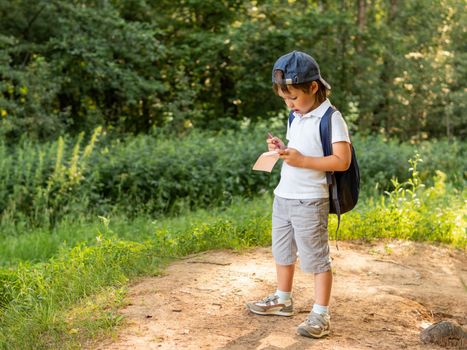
x=303, y=135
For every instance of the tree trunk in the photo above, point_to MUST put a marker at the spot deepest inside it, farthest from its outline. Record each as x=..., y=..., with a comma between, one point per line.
x=343, y=37
x=361, y=19
x=145, y=116
x=393, y=10
x=361, y=23
x=387, y=70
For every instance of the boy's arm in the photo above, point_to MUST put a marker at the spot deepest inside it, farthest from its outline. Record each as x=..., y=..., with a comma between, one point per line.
x=338, y=161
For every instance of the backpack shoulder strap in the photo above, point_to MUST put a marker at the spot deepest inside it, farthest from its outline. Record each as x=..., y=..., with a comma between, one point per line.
x=325, y=131
x=291, y=118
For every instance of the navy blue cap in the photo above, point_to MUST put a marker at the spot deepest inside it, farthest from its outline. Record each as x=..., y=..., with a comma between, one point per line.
x=298, y=67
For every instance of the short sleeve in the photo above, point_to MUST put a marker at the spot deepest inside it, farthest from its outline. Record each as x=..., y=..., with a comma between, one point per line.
x=340, y=131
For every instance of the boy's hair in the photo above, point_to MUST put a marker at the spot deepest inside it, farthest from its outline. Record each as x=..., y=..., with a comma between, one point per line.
x=321, y=94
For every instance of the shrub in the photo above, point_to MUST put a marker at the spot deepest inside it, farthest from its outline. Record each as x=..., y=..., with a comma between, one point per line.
x=412, y=211
x=162, y=174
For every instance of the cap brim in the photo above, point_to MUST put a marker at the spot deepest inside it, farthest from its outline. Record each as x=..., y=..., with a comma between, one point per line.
x=325, y=83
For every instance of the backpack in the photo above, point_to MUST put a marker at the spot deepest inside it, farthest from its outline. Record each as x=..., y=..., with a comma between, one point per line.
x=344, y=186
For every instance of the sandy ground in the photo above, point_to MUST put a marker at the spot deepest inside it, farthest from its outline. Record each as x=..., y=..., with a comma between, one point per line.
x=383, y=296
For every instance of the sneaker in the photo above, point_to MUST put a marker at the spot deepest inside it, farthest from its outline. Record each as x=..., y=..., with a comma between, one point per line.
x=271, y=306
x=315, y=325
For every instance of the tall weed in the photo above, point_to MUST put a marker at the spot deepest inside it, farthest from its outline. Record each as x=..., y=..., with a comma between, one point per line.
x=160, y=174
x=40, y=185
x=412, y=211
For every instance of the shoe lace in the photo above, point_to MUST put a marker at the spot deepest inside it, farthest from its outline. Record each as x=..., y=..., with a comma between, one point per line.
x=270, y=299
x=316, y=320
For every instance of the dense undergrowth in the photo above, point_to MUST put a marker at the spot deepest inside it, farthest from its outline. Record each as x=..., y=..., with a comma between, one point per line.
x=160, y=174
x=52, y=269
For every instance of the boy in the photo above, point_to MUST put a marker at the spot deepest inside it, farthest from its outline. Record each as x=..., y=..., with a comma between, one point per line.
x=301, y=203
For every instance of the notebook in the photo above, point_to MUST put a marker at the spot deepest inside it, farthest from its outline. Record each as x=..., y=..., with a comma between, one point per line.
x=266, y=161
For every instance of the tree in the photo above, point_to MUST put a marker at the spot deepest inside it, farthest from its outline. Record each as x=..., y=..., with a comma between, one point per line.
x=135, y=65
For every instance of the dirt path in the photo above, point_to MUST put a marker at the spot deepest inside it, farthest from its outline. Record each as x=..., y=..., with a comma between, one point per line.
x=382, y=297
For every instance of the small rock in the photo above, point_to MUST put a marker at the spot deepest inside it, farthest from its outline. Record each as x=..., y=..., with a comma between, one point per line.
x=445, y=333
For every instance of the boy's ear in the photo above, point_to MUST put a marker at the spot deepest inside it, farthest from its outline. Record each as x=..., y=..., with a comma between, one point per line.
x=314, y=87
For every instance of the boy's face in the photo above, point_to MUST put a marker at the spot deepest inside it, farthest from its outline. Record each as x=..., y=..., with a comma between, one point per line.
x=299, y=101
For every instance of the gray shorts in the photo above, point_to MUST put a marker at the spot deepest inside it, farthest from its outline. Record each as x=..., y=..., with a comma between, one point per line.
x=301, y=225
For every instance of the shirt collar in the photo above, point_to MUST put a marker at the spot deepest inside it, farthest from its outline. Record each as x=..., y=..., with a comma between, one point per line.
x=317, y=112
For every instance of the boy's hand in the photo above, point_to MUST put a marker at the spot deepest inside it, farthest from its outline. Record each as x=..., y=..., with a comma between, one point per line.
x=274, y=143
x=292, y=157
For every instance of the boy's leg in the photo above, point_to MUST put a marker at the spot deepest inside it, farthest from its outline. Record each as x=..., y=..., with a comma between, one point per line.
x=284, y=248
x=317, y=324
x=285, y=275
x=279, y=303
x=284, y=251
x=323, y=285
x=310, y=227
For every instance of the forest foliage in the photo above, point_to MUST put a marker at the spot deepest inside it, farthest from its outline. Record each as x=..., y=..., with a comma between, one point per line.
x=396, y=67
x=156, y=175
x=97, y=187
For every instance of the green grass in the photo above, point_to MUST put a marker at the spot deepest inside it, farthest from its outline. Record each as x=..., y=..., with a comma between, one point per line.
x=50, y=278
x=413, y=212
x=40, y=244
x=36, y=297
